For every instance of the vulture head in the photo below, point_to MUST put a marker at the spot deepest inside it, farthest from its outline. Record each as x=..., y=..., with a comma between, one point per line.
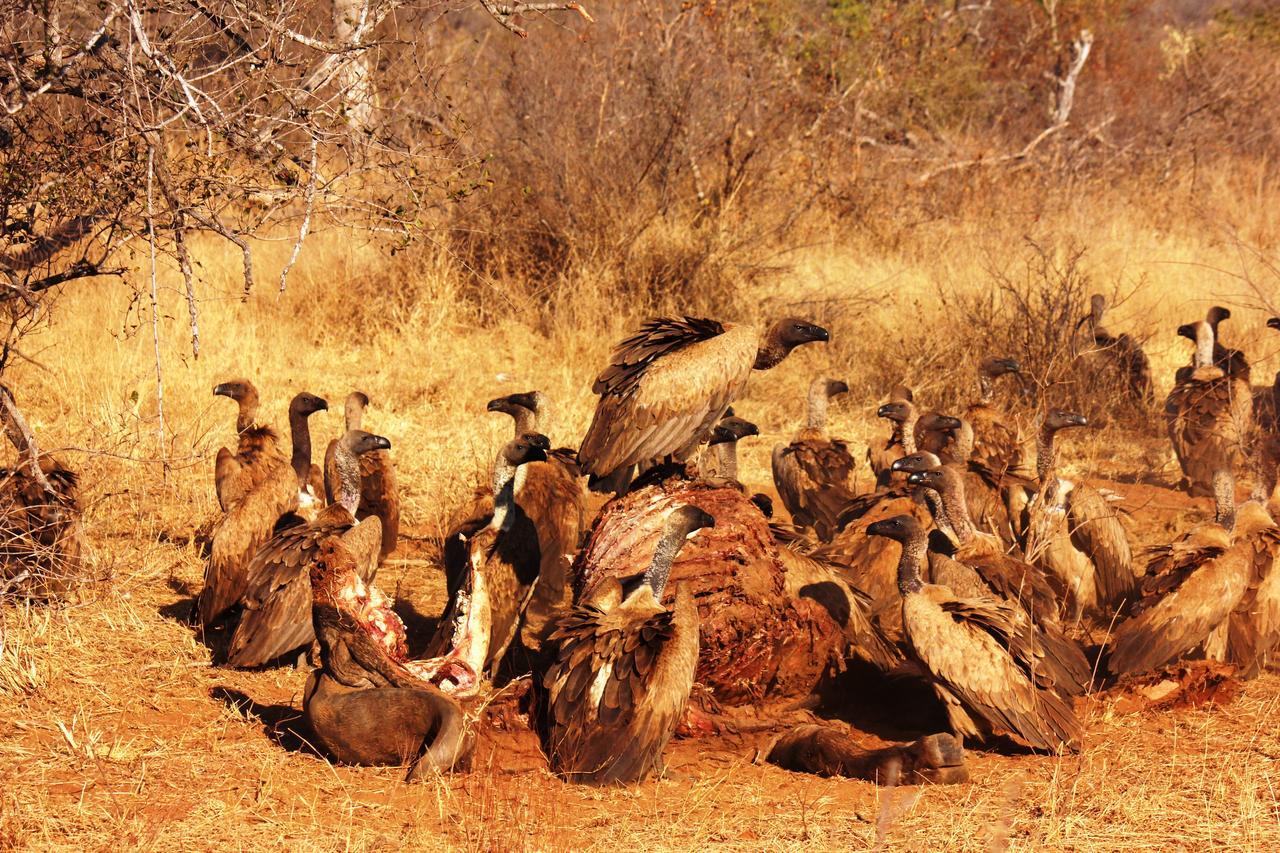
x=529, y=447
x=923, y=461
x=900, y=528
x=353, y=409
x=240, y=390
x=764, y=503
x=996, y=366
x=934, y=422
x=1058, y=419
x=732, y=428
x=898, y=410
x=307, y=404
x=1274, y=323
x=1216, y=315
x=931, y=478
x=510, y=404
x=784, y=336
x=906, y=530
x=829, y=387
x=358, y=442
x=687, y=520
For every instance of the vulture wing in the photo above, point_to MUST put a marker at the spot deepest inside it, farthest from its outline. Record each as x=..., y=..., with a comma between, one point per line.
x=812, y=478
x=1096, y=531
x=665, y=389
x=380, y=495
x=228, y=481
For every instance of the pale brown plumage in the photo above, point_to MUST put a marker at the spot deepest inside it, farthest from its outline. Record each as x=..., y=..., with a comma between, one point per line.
x=502, y=565
x=623, y=670
x=379, y=488
x=667, y=386
x=1075, y=532
x=1211, y=596
x=1209, y=414
x=986, y=670
x=1124, y=352
x=814, y=474
x=996, y=440
x=277, y=613
x=882, y=452
x=257, y=487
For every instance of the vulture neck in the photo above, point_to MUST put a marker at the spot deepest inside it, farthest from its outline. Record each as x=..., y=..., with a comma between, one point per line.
x=1046, y=454
x=663, y=556
x=911, y=562
x=247, y=417
x=1224, y=498
x=353, y=414
x=727, y=459
x=526, y=421
x=818, y=401
x=1204, y=345
x=771, y=352
x=301, y=459
x=348, y=465
x=507, y=482
x=986, y=388
x=963, y=448
x=954, y=506
x=909, y=432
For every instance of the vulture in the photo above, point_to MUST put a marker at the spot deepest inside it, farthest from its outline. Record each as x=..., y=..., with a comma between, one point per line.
x=623, y=669
x=814, y=473
x=983, y=662
x=984, y=488
x=1211, y=596
x=1209, y=413
x=256, y=488
x=996, y=443
x=277, y=599
x=761, y=638
x=1266, y=421
x=365, y=704
x=1074, y=532
x=503, y=560
x=551, y=496
x=881, y=454
x=720, y=456
x=975, y=565
x=1125, y=353
x=379, y=489
x=311, y=494
x=40, y=536
x=668, y=385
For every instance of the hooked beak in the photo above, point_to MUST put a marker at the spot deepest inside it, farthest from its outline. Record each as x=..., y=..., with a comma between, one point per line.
x=226, y=389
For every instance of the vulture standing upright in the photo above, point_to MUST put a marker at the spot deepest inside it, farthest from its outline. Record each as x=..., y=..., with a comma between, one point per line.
x=256, y=487
x=277, y=597
x=813, y=474
x=1209, y=412
x=379, y=488
x=311, y=494
x=668, y=385
x=40, y=534
x=1074, y=531
x=364, y=704
x=623, y=669
x=1125, y=353
x=881, y=453
x=983, y=663
x=503, y=560
x=996, y=442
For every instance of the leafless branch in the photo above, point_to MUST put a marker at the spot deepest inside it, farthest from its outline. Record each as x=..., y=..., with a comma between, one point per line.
x=506, y=14
x=308, y=201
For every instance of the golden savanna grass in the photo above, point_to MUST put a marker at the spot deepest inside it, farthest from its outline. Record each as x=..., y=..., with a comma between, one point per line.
x=116, y=732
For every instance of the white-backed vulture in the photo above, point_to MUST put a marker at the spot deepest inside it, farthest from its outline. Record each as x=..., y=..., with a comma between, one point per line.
x=41, y=544
x=276, y=618
x=1209, y=414
x=719, y=458
x=551, y=496
x=881, y=453
x=503, y=560
x=1210, y=598
x=1074, y=531
x=814, y=474
x=256, y=487
x=1123, y=351
x=996, y=441
x=311, y=493
x=984, y=488
x=668, y=385
x=379, y=488
x=623, y=669
x=364, y=704
x=983, y=665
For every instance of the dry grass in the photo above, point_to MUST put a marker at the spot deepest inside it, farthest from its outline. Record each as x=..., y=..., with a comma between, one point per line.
x=115, y=731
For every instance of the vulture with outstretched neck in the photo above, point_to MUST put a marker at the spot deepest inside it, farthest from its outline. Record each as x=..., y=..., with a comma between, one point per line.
x=311, y=493
x=277, y=599
x=1209, y=413
x=814, y=473
x=623, y=669
x=379, y=488
x=882, y=453
x=1124, y=351
x=485, y=610
x=668, y=385
x=256, y=487
x=1209, y=595
x=1074, y=531
x=983, y=663
x=365, y=704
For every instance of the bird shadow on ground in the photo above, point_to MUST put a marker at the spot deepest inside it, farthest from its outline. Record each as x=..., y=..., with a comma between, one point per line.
x=419, y=627
x=904, y=708
x=282, y=724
